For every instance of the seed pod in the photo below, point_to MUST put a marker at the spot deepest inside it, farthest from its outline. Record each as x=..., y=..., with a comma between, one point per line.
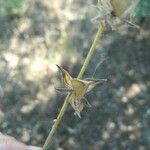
x=77, y=89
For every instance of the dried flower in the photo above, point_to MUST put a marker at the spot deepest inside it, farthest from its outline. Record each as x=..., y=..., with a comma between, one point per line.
x=116, y=12
x=77, y=89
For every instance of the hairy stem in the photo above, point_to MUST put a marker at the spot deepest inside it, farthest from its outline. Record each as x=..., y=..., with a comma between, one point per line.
x=66, y=102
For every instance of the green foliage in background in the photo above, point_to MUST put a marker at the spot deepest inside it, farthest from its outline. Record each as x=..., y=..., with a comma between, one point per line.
x=143, y=9
x=7, y=7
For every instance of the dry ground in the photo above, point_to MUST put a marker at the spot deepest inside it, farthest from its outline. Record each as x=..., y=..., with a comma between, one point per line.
x=51, y=32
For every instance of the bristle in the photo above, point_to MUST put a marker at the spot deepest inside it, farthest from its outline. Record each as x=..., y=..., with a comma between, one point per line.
x=59, y=67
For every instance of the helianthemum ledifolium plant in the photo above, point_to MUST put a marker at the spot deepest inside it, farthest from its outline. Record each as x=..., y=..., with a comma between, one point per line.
x=112, y=13
x=116, y=12
x=77, y=89
x=68, y=97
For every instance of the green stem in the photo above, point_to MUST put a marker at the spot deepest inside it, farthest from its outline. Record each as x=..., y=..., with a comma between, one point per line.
x=55, y=125
x=91, y=51
x=66, y=102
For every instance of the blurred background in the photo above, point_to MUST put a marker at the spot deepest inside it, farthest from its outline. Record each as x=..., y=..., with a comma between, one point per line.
x=35, y=35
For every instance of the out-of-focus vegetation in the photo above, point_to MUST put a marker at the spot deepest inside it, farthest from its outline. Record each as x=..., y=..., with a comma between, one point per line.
x=8, y=7
x=50, y=32
x=143, y=9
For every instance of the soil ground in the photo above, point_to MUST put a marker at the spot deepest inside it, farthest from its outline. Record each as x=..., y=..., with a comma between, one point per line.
x=61, y=33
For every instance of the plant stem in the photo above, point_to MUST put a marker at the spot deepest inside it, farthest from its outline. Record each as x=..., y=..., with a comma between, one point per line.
x=55, y=125
x=66, y=102
x=91, y=51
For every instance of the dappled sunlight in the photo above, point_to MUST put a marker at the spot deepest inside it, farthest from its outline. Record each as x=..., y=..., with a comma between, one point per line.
x=54, y=68
x=131, y=130
x=131, y=92
x=29, y=106
x=53, y=32
x=24, y=25
x=25, y=135
x=45, y=94
x=37, y=69
x=11, y=59
x=130, y=111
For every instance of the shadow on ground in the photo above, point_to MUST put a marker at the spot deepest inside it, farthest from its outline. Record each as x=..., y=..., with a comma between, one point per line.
x=55, y=34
